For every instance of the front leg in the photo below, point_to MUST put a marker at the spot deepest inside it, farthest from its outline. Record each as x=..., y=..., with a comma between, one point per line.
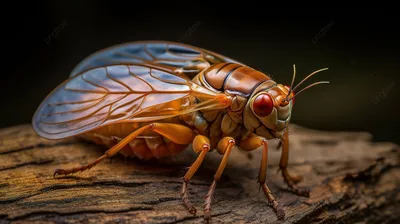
x=290, y=180
x=252, y=143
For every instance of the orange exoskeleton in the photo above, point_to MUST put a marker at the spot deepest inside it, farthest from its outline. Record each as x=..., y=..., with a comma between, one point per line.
x=152, y=99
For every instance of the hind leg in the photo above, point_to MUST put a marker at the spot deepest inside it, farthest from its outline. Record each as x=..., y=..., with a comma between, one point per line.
x=176, y=133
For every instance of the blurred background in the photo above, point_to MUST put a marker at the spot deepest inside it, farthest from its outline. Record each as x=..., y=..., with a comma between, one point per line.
x=43, y=43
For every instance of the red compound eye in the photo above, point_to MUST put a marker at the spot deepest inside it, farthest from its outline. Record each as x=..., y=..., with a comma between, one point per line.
x=263, y=105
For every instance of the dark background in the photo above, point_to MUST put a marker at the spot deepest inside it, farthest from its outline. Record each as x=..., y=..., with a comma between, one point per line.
x=360, y=46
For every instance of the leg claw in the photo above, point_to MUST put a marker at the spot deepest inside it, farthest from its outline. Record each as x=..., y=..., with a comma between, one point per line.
x=291, y=181
x=303, y=191
x=192, y=210
x=185, y=199
x=296, y=179
x=59, y=172
x=280, y=213
x=207, y=216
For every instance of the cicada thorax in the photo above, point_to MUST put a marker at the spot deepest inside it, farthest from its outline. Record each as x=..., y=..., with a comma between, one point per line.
x=232, y=78
x=235, y=80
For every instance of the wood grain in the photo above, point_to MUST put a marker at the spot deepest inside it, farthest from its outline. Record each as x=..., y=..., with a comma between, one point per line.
x=352, y=179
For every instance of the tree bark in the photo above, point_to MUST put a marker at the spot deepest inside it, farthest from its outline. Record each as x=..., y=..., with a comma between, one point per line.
x=351, y=178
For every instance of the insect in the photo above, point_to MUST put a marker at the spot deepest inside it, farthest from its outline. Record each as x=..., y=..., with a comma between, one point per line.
x=152, y=99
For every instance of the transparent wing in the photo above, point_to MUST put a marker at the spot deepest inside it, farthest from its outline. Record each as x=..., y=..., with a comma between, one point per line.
x=175, y=57
x=116, y=93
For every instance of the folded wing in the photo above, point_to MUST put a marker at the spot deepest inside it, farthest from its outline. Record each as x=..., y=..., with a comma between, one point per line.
x=115, y=93
x=175, y=57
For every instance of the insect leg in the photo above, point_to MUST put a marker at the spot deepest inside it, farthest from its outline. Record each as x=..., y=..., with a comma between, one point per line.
x=224, y=147
x=184, y=136
x=200, y=144
x=290, y=180
x=253, y=143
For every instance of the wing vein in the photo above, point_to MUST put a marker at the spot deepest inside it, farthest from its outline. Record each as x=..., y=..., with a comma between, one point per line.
x=130, y=110
x=118, y=81
x=84, y=117
x=179, y=55
x=169, y=81
x=73, y=102
x=148, y=53
x=77, y=110
x=73, y=129
x=133, y=74
x=122, y=105
x=93, y=91
x=129, y=55
x=94, y=84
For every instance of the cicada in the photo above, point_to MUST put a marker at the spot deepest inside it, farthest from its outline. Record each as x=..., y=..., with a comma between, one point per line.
x=152, y=99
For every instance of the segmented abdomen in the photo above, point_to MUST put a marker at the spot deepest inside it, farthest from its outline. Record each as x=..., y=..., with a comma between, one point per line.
x=147, y=146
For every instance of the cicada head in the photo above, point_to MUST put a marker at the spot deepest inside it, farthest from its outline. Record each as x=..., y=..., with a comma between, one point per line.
x=269, y=108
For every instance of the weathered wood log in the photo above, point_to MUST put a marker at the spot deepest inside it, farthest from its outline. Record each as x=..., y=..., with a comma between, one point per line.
x=351, y=179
